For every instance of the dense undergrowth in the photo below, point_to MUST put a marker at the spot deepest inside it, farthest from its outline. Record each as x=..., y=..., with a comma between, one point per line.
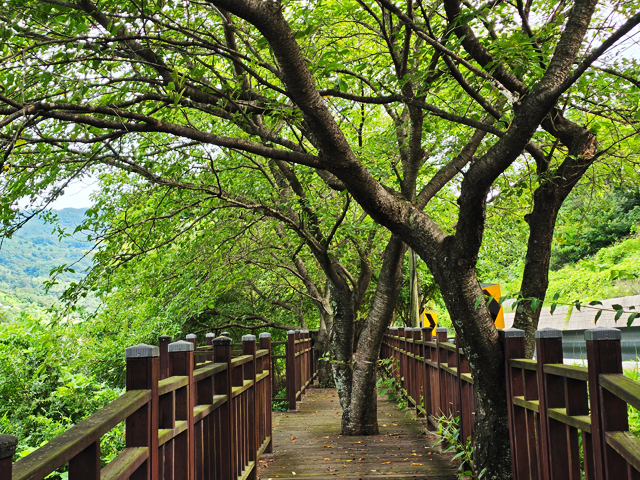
x=45, y=387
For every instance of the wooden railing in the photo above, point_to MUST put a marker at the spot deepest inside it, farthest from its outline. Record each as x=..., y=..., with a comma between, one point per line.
x=570, y=422
x=433, y=372
x=190, y=413
x=301, y=365
x=566, y=422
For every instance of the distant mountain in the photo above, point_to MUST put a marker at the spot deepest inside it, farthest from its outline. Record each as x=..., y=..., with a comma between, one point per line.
x=27, y=258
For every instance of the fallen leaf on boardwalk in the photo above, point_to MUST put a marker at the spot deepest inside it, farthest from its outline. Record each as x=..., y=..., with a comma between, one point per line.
x=344, y=465
x=328, y=459
x=361, y=459
x=416, y=464
x=385, y=463
x=349, y=460
x=325, y=437
x=360, y=441
x=293, y=438
x=414, y=454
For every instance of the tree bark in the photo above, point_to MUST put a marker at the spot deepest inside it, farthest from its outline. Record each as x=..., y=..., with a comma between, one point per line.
x=547, y=201
x=363, y=404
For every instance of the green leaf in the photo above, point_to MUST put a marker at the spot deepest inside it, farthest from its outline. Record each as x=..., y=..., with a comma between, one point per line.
x=595, y=320
x=478, y=302
x=553, y=307
x=171, y=86
x=535, y=303
x=631, y=318
x=618, y=315
x=595, y=302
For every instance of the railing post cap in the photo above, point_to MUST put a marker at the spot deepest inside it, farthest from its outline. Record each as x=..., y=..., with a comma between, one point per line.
x=248, y=338
x=511, y=333
x=164, y=338
x=225, y=334
x=222, y=341
x=142, y=350
x=427, y=329
x=8, y=445
x=210, y=335
x=297, y=331
x=181, y=346
x=291, y=332
x=304, y=331
x=265, y=335
x=393, y=328
x=602, y=333
x=548, y=333
x=441, y=329
x=191, y=336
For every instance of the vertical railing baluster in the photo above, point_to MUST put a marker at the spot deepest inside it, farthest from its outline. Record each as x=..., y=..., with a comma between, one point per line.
x=265, y=344
x=441, y=355
x=291, y=370
x=8, y=444
x=608, y=412
x=209, y=340
x=143, y=367
x=551, y=392
x=181, y=364
x=513, y=344
x=222, y=386
x=250, y=373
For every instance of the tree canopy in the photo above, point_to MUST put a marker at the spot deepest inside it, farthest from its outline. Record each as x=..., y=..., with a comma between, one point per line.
x=427, y=114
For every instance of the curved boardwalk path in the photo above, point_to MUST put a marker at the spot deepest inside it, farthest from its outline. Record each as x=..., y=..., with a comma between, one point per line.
x=309, y=443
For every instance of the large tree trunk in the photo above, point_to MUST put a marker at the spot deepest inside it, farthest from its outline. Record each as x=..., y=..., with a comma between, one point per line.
x=460, y=289
x=363, y=410
x=547, y=201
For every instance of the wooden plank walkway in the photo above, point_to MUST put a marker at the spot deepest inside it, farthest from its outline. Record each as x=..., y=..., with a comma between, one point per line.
x=308, y=444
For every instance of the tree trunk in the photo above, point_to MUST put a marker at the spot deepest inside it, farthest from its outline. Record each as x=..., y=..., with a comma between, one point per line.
x=363, y=412
x=482, y=347
x=547, y=201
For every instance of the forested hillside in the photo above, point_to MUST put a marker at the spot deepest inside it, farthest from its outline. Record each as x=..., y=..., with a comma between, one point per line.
x=27, y=259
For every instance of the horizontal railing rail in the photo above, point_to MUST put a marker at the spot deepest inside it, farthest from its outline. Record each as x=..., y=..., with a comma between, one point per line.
x=183, y=420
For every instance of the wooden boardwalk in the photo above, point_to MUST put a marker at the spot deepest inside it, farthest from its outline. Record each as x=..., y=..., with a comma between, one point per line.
x=308, y=444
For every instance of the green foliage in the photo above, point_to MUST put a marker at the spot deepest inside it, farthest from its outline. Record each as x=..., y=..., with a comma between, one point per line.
x=588, y=225
x=38, y=248
x=449, y=433
x=45, y=387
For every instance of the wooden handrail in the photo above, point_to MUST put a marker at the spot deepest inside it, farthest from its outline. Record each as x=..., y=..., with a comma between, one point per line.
x=185, y=420
x=61, y=449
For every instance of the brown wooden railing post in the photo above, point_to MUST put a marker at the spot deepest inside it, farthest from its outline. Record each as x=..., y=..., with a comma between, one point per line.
x=163, y=345
x=250, y=373
x=143, y=367
x=181, y=364
x=441, y=355
x=265, y=344
x=426, y=352
x=513, y=343
x=222, y=386
x=608, y=412
x=291, y=370
x=209, y=339
x=553, y=453
x=193, y=339
x=8, y=445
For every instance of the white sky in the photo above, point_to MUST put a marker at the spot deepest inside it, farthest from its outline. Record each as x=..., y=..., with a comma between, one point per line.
x=77, y=195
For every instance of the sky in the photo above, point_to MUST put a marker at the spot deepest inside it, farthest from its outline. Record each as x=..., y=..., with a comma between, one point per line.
x=77, y=195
